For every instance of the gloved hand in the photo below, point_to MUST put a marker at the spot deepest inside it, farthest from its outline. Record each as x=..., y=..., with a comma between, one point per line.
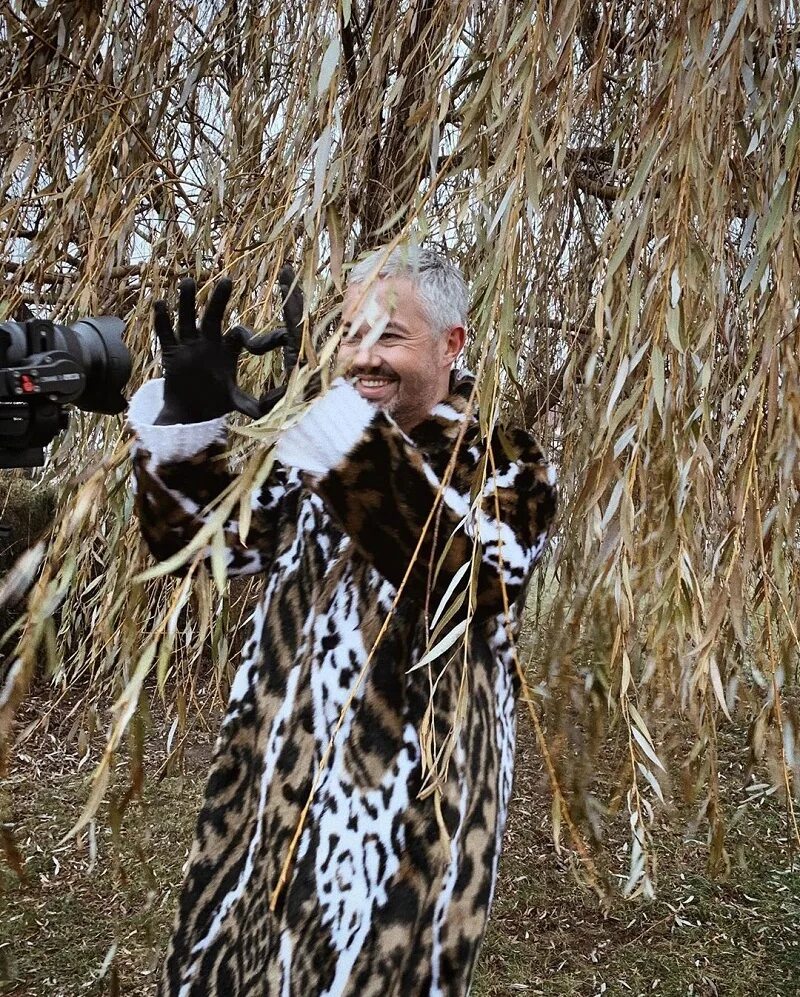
x=293, y=320
x=292, y=316
x=199, y=365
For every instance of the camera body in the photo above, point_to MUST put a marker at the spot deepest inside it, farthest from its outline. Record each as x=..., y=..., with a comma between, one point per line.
x=44, y=367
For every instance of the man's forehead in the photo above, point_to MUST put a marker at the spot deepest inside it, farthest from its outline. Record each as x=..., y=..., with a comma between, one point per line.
x=384, y=297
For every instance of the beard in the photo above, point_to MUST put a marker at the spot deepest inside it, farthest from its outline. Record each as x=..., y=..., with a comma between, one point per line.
x=390, y=405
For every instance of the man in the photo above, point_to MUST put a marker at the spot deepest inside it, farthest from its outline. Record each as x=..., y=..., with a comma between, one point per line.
x=355, y=808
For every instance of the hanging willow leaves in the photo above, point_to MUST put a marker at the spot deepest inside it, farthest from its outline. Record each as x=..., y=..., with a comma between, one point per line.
x=619, y=183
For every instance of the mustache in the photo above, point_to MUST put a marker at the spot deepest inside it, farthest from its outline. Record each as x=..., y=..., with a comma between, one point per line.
x=384, y=370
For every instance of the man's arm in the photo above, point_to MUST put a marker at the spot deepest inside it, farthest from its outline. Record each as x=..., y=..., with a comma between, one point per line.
x=180, y=461
x=382, y=490
x=181, y=470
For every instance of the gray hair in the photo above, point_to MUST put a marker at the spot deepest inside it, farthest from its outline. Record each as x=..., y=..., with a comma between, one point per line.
x=441, y=287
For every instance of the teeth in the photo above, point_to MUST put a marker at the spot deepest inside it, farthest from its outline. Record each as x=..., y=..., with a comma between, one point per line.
x=373, y=382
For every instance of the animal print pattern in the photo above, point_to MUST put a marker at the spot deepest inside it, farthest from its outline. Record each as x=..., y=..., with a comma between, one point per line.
x=390, y=887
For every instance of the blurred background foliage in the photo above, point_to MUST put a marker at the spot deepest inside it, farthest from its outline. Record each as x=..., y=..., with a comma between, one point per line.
x=618, y=182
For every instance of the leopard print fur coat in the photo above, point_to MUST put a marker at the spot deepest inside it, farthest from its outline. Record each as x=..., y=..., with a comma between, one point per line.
x=389, y=888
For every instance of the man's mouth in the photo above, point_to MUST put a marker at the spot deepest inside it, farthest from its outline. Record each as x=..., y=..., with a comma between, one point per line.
x=373, y=387
x=374, y=382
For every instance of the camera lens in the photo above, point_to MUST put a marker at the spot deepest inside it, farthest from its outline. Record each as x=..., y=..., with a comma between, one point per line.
x=105, y=360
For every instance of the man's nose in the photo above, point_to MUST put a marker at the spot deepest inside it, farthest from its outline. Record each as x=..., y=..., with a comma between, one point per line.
x=366, y=355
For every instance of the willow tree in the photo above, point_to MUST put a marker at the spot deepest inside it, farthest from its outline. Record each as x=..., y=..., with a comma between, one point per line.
x=619, y=184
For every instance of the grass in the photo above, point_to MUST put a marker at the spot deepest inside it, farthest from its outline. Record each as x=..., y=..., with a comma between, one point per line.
x=89, y=917
x=27, y=506
x=730, y=937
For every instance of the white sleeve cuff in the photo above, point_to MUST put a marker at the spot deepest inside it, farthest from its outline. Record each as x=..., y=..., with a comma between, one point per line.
x=169, y=443
x=327, y=432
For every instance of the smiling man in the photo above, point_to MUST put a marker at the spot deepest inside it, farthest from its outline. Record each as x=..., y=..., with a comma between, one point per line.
x=405, y=370
x=354, y=812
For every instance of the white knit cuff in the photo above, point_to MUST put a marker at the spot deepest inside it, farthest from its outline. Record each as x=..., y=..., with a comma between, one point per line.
x=169, y=443
x=327, y=432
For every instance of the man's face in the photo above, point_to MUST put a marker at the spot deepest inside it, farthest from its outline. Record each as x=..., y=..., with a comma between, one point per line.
x=406, y=371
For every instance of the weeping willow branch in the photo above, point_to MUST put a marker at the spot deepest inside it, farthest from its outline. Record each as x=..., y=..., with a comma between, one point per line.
x=619, y=185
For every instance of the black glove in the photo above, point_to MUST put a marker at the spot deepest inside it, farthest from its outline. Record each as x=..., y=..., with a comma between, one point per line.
x=292, y=316
x=293, y=320
x=200, y=364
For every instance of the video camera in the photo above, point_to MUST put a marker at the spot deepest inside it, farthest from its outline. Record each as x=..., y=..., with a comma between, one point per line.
x=43, y=367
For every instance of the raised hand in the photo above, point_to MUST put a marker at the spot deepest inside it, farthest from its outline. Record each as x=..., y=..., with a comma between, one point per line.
x=293, y=321
x=199, y=364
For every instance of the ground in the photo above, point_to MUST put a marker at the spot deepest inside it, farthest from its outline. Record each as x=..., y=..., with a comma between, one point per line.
x=89, y=918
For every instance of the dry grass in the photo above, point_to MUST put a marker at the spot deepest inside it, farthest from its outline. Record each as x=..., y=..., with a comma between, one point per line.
x=110, y=895
x=701, y=937
x=27, y=507
x=77, y=926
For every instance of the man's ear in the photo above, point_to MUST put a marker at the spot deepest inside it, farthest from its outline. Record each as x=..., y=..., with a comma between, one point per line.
x=454, y=343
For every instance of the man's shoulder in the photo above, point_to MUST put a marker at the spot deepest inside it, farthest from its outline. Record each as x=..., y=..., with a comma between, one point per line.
x=454, y=424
